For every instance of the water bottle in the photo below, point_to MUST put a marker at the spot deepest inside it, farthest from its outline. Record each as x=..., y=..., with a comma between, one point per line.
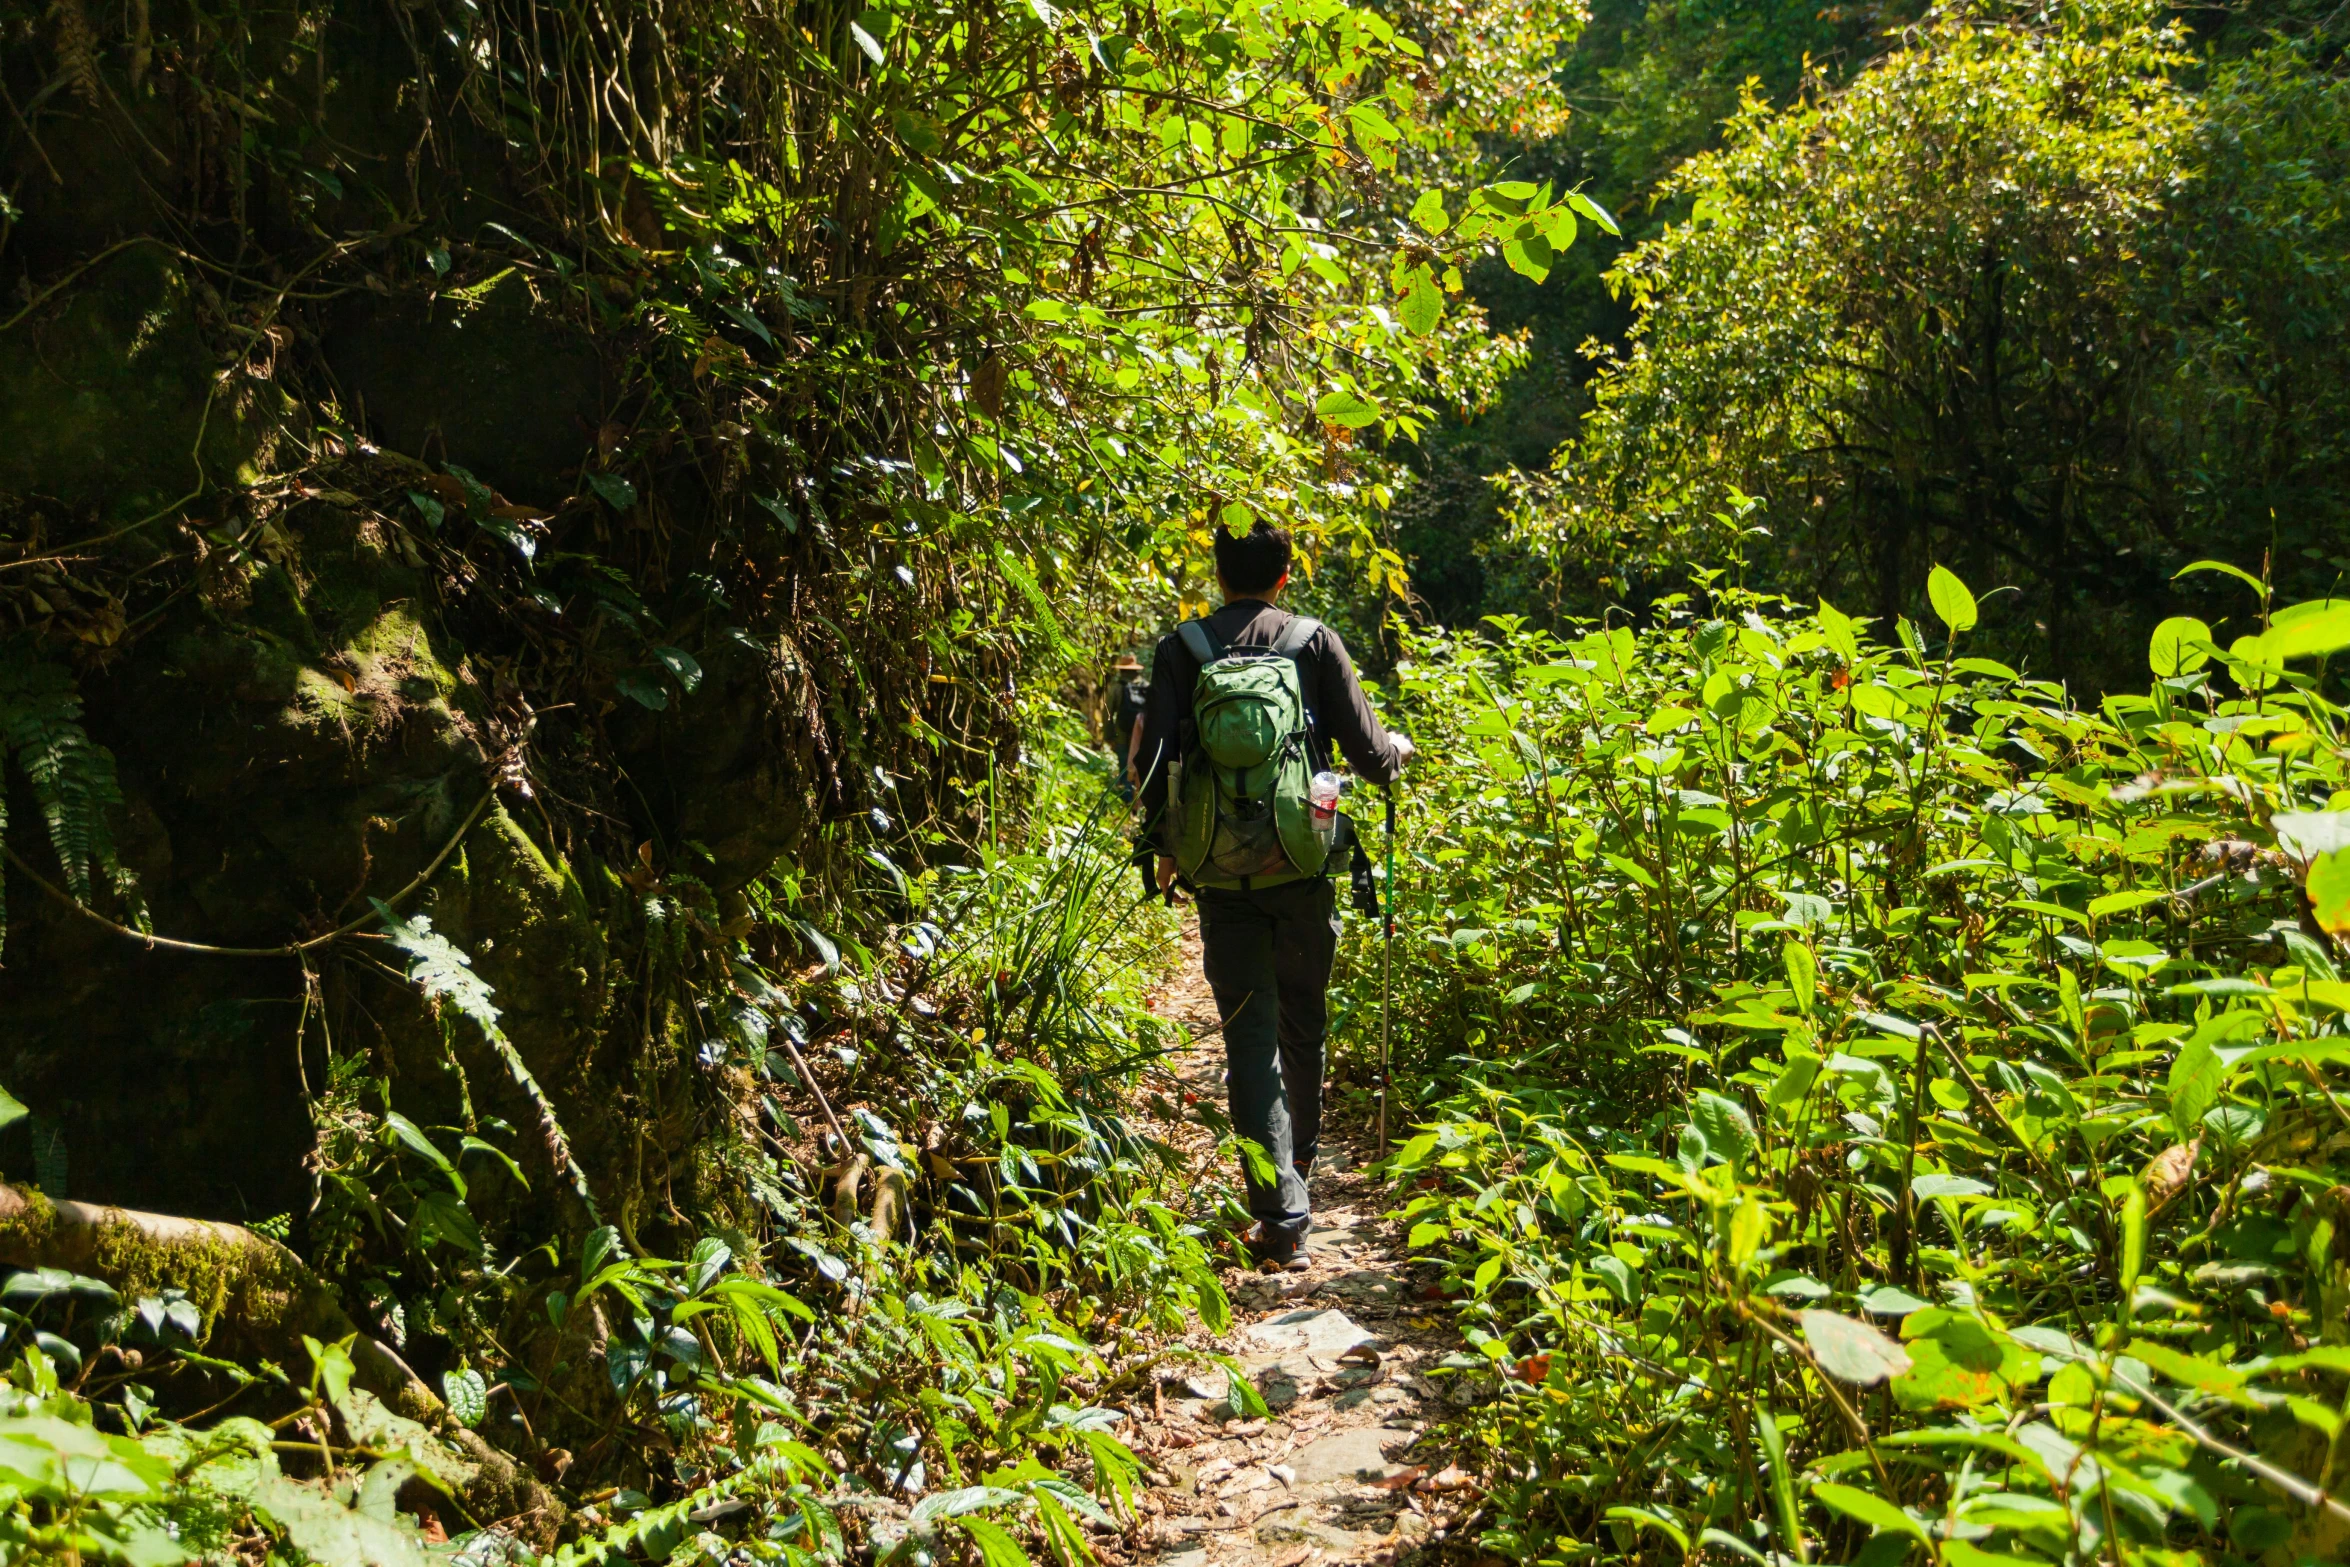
x=1322, y=796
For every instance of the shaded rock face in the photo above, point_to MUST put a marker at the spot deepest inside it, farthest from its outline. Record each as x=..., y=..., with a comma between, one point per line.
x=283, y=760
x=494, y=387
x=233, y=361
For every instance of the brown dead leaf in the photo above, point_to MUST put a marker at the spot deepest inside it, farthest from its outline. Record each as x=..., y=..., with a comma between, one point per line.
x=2167, y=1175
x=1450, y=1478
x=1298, y=1557
x=1400, y=1479
x=987, y=386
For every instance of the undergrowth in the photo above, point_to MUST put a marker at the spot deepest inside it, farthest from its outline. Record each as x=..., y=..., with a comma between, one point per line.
x=1871, y=1107
x=961, y=1275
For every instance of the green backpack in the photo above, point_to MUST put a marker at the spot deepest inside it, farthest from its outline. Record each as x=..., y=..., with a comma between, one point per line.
x=1237, y=794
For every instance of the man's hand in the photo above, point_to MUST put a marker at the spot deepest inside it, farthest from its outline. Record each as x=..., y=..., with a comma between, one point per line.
x=1166, y=872
x=1404, y=749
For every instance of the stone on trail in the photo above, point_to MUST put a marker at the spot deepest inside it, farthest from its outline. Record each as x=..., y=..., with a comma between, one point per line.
x=1328, y=1333
x=1190, y=1556
x=1345, y=1455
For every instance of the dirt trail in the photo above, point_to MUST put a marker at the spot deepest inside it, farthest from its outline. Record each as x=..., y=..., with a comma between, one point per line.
x=1337, y=1474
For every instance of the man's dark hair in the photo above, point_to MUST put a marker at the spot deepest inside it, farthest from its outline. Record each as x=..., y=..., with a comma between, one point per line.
x=1253, y=561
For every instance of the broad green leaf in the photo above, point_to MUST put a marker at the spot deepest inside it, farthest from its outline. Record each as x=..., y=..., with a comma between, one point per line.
x=1959, y=1362
x=2329, y=891
x=613, y=490
x=1728, y=1129
x=2314, y=630
x=1344, y=407
x=2123, y=902
x=1429, y=213
x=1423, y=304
x=2173, y=651
x=2196, y=1074
x=2308, y=834
x=1868, y=1508
x=467, y=1396
x=1530, y=256
x=2195, y=1371
x=331, y=1368
x=1951, y=600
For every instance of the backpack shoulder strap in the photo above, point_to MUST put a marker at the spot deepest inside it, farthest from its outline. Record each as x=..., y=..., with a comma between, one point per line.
x=1198, y=641
x=1296, y=635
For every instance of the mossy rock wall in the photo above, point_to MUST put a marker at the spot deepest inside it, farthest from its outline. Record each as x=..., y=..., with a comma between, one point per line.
x=306, y=641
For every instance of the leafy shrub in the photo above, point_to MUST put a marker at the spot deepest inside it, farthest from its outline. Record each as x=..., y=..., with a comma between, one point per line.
x=1892, y=1109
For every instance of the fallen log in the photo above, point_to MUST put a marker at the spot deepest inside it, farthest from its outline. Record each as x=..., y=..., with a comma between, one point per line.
x=259, y=1301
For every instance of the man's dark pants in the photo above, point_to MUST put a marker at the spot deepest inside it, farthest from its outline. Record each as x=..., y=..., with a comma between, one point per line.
x=1268, y=954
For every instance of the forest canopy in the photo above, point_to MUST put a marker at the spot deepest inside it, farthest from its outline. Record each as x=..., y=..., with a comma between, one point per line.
x=2050, y=294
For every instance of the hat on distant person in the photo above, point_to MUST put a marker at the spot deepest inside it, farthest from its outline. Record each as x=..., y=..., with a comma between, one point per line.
x=1127, y=661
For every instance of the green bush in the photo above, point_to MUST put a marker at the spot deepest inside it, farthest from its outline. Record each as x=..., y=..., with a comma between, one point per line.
x=1890, y=1109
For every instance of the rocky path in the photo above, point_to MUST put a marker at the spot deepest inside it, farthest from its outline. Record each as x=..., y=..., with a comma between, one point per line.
x=1339, y=1472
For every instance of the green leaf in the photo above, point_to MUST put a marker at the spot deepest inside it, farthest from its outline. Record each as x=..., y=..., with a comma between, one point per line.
x=1649, y=1518
x=1593, y=210
x=613, y=490
x=997, y=1548
x=2195, y=1371
x=2305, y=631
x=1958, y=1362
x=1529, y=256
x=2196, y=1074
x=682, y=665
x=1423, y=304
x=467, y=1396
x=1260, y=1164
x=2172, y=651
x=2238, y=572
x=1344, y=407
x=1728, y=1129
x=11, y=1111
x=643, y=689
x=867, y=42
x=1935, y=1184
x=331, y=1368
x=410, y=1134
x=2329, y=891
x=1429, y=212
x=1370, y=124
x=1803, y=974
x=1951, y=600
x=1872, y=1510
x=2123, y=902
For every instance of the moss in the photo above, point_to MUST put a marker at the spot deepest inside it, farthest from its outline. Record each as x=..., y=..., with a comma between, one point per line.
x=24, y=1234
x=258, y=1286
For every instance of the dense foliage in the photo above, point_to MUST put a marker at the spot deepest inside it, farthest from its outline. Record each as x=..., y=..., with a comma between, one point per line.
x=2043, y=294
x=1650, y=83
x=1870, y=1104
x=528, y=542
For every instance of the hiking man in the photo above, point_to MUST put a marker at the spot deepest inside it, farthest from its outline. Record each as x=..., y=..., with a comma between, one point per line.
x=1122, y=709
x=1244, y=707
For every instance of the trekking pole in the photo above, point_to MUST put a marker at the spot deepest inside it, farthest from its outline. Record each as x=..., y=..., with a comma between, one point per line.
x=1387, y=974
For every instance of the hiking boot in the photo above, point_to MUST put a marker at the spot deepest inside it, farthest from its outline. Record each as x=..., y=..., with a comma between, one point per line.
x=1276, y=1253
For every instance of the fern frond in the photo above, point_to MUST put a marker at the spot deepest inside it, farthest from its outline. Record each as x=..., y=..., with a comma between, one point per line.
x=72, y=775
x=439, y=967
